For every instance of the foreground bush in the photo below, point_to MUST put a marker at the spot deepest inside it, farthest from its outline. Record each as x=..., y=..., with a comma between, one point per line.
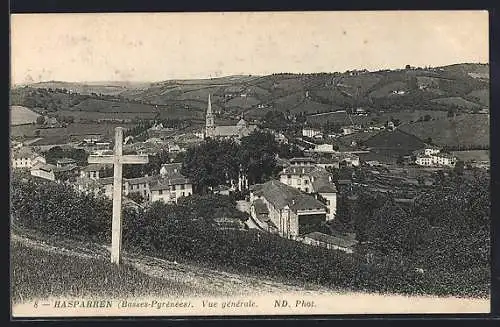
x=186, y=233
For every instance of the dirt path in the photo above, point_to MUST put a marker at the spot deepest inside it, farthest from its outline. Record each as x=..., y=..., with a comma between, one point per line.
x=222, y=283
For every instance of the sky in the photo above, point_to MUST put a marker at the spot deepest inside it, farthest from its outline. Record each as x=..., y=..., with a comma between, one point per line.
x=152, y=47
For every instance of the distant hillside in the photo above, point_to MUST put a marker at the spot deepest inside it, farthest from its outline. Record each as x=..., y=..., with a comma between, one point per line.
x=468, y=130
x=463, y=87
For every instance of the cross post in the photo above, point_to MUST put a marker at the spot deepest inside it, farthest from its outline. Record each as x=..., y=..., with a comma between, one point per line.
x=117, y=159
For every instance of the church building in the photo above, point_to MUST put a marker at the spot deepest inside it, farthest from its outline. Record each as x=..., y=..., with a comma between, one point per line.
x=241, y=129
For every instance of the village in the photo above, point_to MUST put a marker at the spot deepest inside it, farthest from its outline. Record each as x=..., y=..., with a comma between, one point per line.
x=296, y=203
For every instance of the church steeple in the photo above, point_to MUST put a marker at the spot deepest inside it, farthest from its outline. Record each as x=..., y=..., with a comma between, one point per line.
x=209, y=119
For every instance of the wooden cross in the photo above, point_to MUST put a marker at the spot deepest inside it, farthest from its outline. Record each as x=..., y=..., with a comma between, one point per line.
x=117, y=159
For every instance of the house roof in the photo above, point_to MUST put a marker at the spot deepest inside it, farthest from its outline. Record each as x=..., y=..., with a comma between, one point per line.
x=95, y=167
x=323, y=185
x=309, y=170
x=69, y=167
x=303, y=159
x=333, y=240
x=106, y=180
x=260, y=207
x=165, y=183
x=66, y=161
x=281, y=195
x=141, y=180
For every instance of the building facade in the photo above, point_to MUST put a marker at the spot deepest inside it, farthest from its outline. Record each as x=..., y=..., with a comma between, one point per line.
x=26, y=158
x=289, y=212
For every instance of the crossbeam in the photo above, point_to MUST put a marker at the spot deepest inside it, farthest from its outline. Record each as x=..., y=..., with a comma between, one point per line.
x=117, y=159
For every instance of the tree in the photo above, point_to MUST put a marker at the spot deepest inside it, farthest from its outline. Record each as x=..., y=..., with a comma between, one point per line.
x=40, y=120
x=459, y=168
x=258, y=156
x=136, y=197
x=212, y=163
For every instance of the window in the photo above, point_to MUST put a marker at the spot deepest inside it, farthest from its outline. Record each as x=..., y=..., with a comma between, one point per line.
x=289, y=176
x=306, y=181
x=173, y=187
x=299, y=181
x=182, y=187
x=160, y=192
x=183, y=194
x=307, y=190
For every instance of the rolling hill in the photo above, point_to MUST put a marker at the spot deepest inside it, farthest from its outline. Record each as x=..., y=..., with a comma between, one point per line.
x=462, y=86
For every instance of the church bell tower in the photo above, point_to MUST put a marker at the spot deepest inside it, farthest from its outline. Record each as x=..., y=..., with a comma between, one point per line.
x=209, y=120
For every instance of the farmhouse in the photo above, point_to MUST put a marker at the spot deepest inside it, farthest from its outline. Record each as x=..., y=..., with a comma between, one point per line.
x=433, y=157
x=26, y=158
x=241, y=129
x=292, y=212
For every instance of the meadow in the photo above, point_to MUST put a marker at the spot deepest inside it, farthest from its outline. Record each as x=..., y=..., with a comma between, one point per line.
x=403, y=116
x=62, y=135
x=466, y=130
x=20, y=115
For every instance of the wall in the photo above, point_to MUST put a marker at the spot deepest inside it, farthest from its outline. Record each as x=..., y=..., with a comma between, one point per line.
x=301, y=182
x=43, y=174
x=331, y=204
x=171, y=195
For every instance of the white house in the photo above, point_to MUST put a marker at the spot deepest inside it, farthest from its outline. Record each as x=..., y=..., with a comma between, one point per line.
x=432, y=156
x=170, y=189
x=310, y=132
x=26, y=158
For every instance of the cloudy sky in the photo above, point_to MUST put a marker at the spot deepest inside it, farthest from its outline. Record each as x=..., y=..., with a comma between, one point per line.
x=154, y=47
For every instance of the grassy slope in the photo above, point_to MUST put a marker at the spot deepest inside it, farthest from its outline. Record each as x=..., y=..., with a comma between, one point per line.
x=43, y=267
x=21, y=115
x=465, y=130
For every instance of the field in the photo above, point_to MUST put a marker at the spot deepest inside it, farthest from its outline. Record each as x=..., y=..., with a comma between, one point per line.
x=466, y=130
x=457, y=101
x=478, y=155
x=481, y=96
x=403, y=116
x=62, y=134
x=21, y=115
